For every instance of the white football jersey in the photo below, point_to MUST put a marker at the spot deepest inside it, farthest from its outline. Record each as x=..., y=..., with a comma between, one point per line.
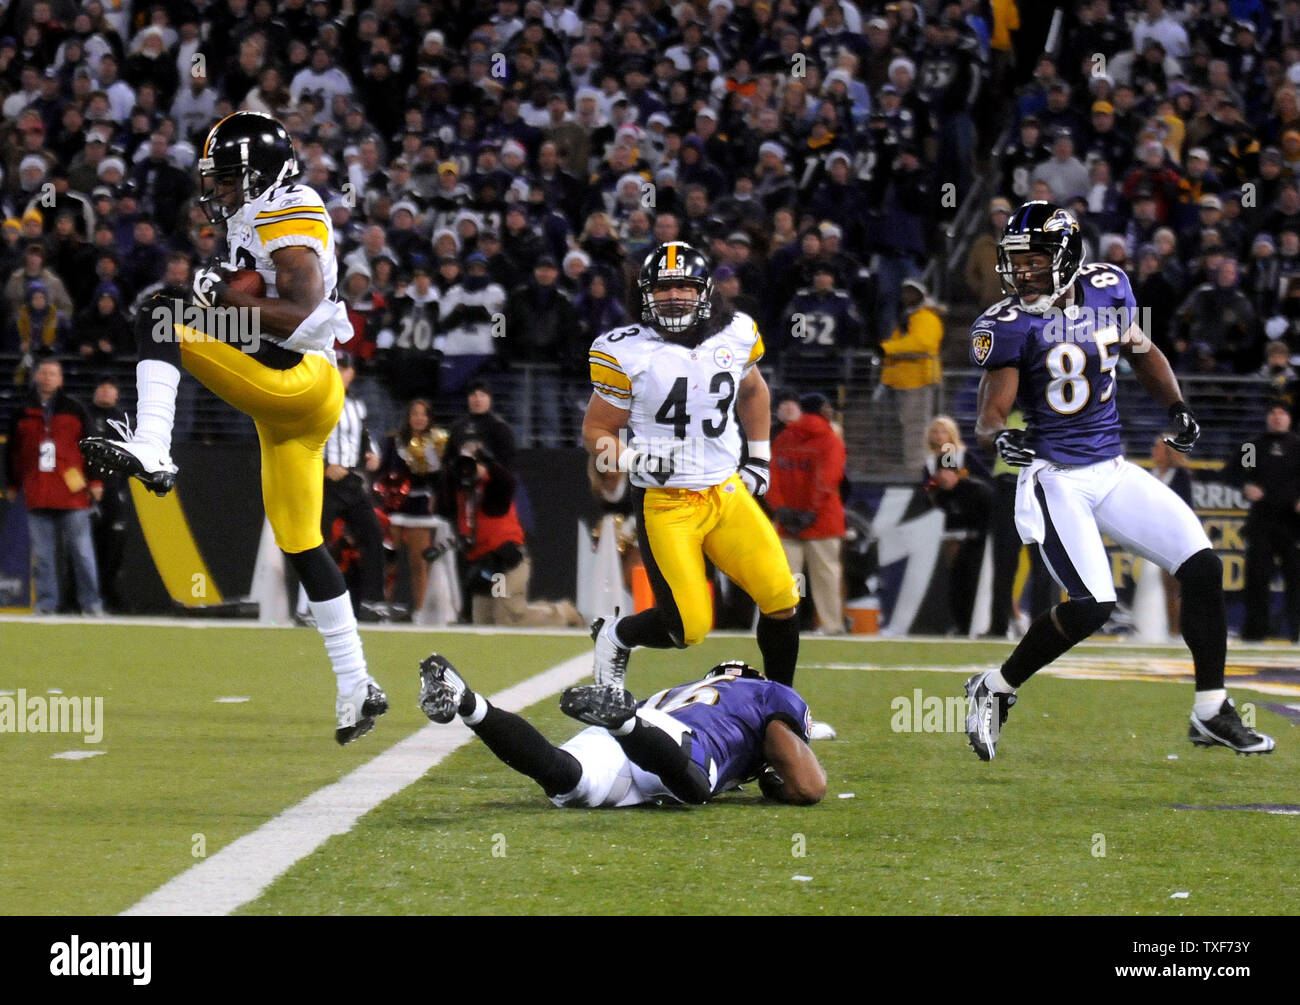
x=281, y=217
x=682, y=399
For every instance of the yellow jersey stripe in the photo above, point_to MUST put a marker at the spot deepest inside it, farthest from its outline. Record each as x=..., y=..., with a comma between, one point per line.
x=608, y=390
x=308, y=217
x=272, y=214
x=306, y=227
x=757, y=352
x=601, y=374
x=605, y=359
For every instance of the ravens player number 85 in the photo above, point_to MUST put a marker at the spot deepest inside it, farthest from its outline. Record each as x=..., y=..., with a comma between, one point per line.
x=1053, y=345
x=685, y=384
x=285, y=379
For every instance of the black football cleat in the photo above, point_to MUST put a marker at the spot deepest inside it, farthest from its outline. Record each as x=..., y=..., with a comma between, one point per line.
x=442, y=689
x=359, y=710
x=151, y=464
x=1227, y=730
x=986, y=715
x=598, y=705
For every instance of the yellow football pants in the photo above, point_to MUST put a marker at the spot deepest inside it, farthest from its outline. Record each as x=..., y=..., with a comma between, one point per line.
x=295, y=411
x=682, y=526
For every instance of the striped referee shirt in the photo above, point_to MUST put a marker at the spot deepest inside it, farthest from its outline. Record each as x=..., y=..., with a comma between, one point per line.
x=350, y=441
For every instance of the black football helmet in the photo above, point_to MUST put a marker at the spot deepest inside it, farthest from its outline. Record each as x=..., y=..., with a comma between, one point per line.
x=676, y=262
x=253, y=150
x=1040, y=227
x=737, y=667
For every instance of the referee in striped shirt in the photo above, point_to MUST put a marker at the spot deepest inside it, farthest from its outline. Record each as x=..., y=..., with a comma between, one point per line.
x=349, y=453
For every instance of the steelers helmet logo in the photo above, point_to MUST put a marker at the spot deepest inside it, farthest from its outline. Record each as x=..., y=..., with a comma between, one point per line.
x=981, y=344
x=724, y=357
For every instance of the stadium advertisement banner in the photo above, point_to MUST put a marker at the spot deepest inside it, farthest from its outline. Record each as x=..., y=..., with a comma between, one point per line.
x=911, y=567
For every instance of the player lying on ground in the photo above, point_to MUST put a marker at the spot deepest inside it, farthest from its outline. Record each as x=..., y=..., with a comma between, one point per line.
x=1053, y=346
x=281, y=374
x=688, y=743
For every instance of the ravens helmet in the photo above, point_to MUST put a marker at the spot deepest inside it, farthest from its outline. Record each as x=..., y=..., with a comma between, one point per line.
x=245, y=155
x=737, y=667
x=1040, y=227
x=674, y=263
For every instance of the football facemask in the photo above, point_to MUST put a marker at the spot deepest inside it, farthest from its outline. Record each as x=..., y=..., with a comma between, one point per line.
x=1039, y=227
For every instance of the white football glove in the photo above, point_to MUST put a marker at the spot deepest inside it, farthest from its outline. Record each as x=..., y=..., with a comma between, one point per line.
x=756, y=471
x=638, y=461
x=209, y=287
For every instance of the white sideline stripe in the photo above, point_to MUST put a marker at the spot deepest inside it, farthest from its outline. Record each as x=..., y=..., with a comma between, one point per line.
x=244, y=868
x=199, y=624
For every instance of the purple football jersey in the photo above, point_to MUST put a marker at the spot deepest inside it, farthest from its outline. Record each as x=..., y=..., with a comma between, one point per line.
x=1067, y=364
x=729, y=716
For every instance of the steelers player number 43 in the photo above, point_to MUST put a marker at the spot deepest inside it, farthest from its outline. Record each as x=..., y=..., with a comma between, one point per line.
x=673, y=411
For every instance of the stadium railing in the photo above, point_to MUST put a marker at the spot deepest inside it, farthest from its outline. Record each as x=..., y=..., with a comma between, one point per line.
x=545, y=407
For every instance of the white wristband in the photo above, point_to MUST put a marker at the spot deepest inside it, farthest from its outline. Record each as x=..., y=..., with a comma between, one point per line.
x=760, y=450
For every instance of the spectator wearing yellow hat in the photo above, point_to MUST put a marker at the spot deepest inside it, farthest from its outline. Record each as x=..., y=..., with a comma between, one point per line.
x=1106, y=142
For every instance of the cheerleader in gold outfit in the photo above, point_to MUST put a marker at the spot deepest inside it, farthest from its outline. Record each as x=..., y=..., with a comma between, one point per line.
x=409, y=469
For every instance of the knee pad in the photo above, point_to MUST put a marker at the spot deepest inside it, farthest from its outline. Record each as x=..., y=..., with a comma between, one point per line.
x=1202, y=573
x=155, y=338
x=1077, y=619
x=318, y=573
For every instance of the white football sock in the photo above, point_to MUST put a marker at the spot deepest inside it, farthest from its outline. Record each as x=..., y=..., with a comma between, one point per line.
x=338, y=627
x=1208, y=703
x=480, y=711
x=625, y=729
x=155, y=410
x=996, y=682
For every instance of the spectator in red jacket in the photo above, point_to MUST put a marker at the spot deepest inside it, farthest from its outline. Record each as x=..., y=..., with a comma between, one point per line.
x=44, y=462
x=807, y=468
x=1154, y=177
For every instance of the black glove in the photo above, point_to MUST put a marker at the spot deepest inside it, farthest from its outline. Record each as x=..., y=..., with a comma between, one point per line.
x=1186, y=428
x=770, y=783
x=1012, y=448
x=794, y=521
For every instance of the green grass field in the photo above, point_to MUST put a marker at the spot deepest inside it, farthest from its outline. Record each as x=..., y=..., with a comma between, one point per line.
x=1074, y=816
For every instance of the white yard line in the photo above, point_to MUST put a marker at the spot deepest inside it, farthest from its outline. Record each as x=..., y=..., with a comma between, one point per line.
x=240, y=871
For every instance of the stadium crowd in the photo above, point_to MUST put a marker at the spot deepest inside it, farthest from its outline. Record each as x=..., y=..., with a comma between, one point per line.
x=497, y=171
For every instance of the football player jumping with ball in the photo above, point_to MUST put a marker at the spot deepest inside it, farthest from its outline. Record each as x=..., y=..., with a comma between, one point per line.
x=286, y=381
x=1053, y=345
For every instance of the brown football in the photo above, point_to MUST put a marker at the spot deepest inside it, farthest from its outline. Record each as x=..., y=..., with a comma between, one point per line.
x=247, y=281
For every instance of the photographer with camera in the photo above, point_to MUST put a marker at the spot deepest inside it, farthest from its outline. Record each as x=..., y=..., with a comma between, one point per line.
x=492, y=539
